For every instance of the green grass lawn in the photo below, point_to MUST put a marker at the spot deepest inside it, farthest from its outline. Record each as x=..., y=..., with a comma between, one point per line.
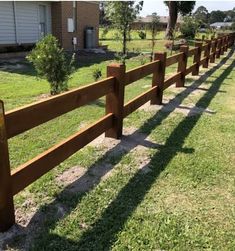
x=113, y=40
x=135, y=45
x=169, y=187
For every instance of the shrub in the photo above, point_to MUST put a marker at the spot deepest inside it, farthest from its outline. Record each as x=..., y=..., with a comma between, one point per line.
x=104, y=33
x=97, y=74
x=142, y=34
x=52, y=64
x=189, y=27
x=142, y=59
x=120, y=57
x=233, y=26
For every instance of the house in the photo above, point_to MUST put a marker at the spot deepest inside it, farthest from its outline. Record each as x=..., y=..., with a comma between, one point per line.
x=221, y=25
x=144, y=22
x=74, y=23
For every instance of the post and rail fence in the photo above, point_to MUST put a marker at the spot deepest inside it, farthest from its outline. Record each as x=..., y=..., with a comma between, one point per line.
x=17, y=121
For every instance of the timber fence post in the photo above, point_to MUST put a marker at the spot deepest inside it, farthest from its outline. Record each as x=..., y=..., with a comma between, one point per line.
x=182, y=65
x=226, y=43
x=159, y=77
x=213, y=50
x=115, y=99
x=218, y=50
x=203, y=38
x=207, y=54
x=7, y=213
x=232, y=39
x=197, y=58
x=222, y=45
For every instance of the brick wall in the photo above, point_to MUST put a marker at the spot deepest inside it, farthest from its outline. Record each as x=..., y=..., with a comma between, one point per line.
x=56, y=20
x=87, y=15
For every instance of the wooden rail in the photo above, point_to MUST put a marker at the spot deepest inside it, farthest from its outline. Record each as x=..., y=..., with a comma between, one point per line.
x=174, y=59
x=192, y=51
x=137, y=102
x=27, y=117
x=17, y=121
x=172, y=80
x=141, y=72
x=190, y=69
x=35, y=168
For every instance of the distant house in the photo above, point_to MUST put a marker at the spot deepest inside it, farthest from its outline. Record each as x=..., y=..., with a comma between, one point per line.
x=144, y=22
x=25, y=23
x=221, y=25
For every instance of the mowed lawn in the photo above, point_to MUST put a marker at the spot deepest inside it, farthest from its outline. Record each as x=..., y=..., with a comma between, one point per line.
x=167, y=185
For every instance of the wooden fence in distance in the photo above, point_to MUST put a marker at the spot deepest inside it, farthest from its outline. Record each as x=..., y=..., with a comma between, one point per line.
x=17, y=121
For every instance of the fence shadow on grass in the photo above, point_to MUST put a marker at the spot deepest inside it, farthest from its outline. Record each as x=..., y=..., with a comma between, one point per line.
x=103, y=232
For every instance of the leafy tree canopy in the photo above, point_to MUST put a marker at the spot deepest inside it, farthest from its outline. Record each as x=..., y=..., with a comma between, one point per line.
x=122, y=14
x=175, y=8
x=217, y=16
x=183, y=7
x=202, y=15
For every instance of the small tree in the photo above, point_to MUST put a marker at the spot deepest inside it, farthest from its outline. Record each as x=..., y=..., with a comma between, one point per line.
x=202, y=15
x=122, y=14
x=189, y=27
x=51, y=63
x=233, y=26
x=96, y=73
x=153, y=30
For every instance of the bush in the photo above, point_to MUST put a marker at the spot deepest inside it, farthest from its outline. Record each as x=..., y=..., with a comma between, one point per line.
x=142, y=34
x=104, y=32
x=120, y=57
x=97, y=74
x=233, y=26
x=142, y=59
x=52, y=64
x=189, y=27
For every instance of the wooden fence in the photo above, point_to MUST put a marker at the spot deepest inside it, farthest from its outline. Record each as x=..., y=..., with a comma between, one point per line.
x=17, y=121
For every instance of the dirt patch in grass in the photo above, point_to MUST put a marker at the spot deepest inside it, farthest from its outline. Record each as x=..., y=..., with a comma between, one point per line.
x=186, y=110
x=71, y=175
x=83, y=180
x=20, y=234
x=79, y=180
x=43, y=96
x=131, y=138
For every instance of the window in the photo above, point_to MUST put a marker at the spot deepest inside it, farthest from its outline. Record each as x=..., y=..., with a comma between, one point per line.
x=42, y=21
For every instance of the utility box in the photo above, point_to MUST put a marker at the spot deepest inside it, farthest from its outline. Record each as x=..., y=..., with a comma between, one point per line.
x=89, y=37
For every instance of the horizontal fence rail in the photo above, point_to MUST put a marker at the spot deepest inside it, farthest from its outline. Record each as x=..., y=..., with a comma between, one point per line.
x=25, y=118
x=141, y=72
x=137, y=102
x=172, y=80
x=20, y=120
x=174, y=59
x=35, y=168
x=192, y=51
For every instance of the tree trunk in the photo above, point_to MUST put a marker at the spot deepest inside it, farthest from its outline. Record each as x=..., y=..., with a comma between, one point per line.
x=173, y=14
x=124, y=42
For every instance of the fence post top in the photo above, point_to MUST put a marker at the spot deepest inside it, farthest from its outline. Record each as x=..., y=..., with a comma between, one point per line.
x=198, y=44
x=184, y=47
x=160, y=55
x=114, y=64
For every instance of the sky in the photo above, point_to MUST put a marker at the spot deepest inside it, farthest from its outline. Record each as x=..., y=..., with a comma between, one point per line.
x=151, y=6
